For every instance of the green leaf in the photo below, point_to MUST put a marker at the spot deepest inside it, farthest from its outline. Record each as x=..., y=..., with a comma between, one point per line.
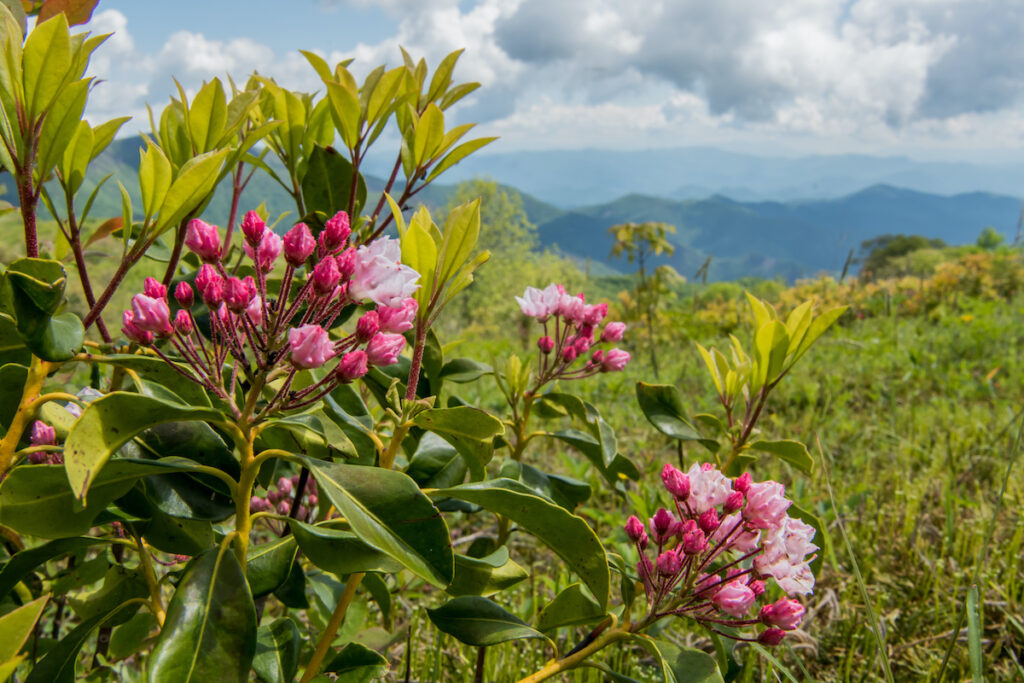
x=155, y=175
x=357, y=664
x=663, y=408
x=173, y=535
x=58, y=339
x=793, y=452
x=109, y=422
x=60, y=125
x=58, y=666
x=210, y=632
x=327, y=185
x=817, y=328
x=458, y=154
x=419, y=252
x=571, y=607
x=120, y=584
x=461, y=234
x=340, y=552
x=478, y=621
x=46, y=61
x=428, y=134
x=387, y=510
x=190, y=189
x=470, y=430
x=485, y=575
x=566, y=534
x=207, y=115
x=36, y=284
x=23, y=563
x=277, y=651
x=160, y=372
x=12, y=384
x=689, y=665
x=36, y=499
x=345, y=111
x=267, y=565
x=16, y=627
x=462, y=370
x=436, y=464
x=77, y=155
x=772, y=344
x=974, y=635
x=621, y=467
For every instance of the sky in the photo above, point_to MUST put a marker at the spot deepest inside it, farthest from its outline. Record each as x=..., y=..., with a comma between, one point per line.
x=933, y=79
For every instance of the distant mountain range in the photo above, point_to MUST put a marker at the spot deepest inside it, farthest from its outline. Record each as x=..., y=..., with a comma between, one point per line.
x=783, y=237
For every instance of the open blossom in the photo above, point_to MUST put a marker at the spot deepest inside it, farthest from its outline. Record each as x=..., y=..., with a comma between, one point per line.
x=151, y=315
x=708, y=488
x=379, y=275
x=540, y=303
x=615, y=360
x=786, y=548
x=613, y=332
x=398, y=319
x=766, y=504
x=310, y=345
x=133, y=331
x=384, y=349
x=204, y=240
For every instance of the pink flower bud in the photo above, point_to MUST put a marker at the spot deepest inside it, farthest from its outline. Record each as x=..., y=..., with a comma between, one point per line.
x=335, y=231
x=398, y=319
x=298, y=244
x=757, y=586
x=384, y=349
x=133, y=331
x=257, y=504
x=236, y=295
x=253, y=228
x=284, y=486
x=694, y=542
x=669, y=563
x=204, y=240
x=205, y=276
x=596, y=358
x=183, y=322
x=255, y=311
x=347, y=262
x=771, y=637
x=154, y=289
x=325, y=276
x=42, y=434
x=783, y=613
x=734, y=598
x=184, y=295
x=284, y=507
x=367, y=326
x=613, y=332
x=545, y=344
x=274, y=497
x=569, y=354
x=742, y=483
x=352, y=366
x=312, y=500
x=708, y=520
x=734, y=502
x=310, y=345
x=663, y=525
x=593, y=315
x=677, y=483
x=151, y=315
x=581, y=344
x=250, y=286
x=634, y=528
x=267, y=252
x=615, y=360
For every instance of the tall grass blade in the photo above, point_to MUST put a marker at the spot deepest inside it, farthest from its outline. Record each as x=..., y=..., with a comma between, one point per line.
x=974, y=635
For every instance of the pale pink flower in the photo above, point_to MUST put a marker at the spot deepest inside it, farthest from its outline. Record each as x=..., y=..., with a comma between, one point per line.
x=669, y=563
x=310, y=345
x=398, y=319
x=734, y=598
x=708, y=488
x=741, y=539
x=613, y=332
x=614, y=361
x=784, y=613
x=151, y=315
x=540, y=303
x=266, y=253
x=379, y=274
x=571, y=307
x=133, y=331
x=384, y=349
x=766, y=504
x=677, y=483
x=255, y=311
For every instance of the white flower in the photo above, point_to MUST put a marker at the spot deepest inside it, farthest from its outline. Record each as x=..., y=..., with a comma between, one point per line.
x=380, y=276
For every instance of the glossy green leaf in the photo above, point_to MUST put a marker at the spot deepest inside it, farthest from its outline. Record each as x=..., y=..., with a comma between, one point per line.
x=267, y=565
x=817, y=328
x=16, y=626
x=419, y=252
x=12, y=383
x=478, y=621
x=328, y=183
x=772, y=344
x=793, y=452
x=387, y=510
x=130, y=637
x=210, y=631
x=46, y=61
x=108, y=423
x=345, y=111
x=36, y=499
x=190, y=188
x=485, y=575
x=566, y=534
x=24, y=562
x=340, y=552
x=173, y=535
x=207, y=115
x=277, y=651
x=564, y=491
x=436, y=463
x=663, y=407
x=120, y=584
x=58, y=666
x=620, y=468
x=689, y=665
x=357, y=663
x=461, y=234
x=60, y=125
x=571, y=607
x=458, y=154
x=462, y=370
x=35, y=283
x=428, y=134
x=155, y=176
x=158, y=371
x=57, y=339
x=470, y=430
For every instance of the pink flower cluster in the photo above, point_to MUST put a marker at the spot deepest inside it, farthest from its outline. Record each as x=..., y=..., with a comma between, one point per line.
x=263, y=327
x=281, y=498
x=713, y=555
x=43, y=434
x=574, y=333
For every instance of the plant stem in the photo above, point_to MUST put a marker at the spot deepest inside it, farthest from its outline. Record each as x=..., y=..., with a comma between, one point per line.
x=27, y=205
x=417, y=360
x=327, y=637
x=155, y=600
x=557, y=666
x=37, y=371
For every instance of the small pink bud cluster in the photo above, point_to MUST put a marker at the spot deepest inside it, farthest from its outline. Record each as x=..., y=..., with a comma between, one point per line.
x=575, y=334
x=281, y=498
x=264, y=328
x=43, y=434
x=713, y=554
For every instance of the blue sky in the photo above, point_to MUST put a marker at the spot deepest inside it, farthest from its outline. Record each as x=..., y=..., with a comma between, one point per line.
x=928, y=78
